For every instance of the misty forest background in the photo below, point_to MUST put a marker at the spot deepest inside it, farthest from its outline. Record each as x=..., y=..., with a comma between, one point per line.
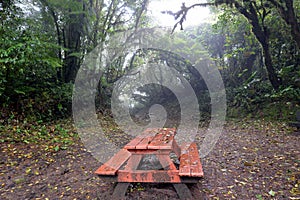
x=254, y=44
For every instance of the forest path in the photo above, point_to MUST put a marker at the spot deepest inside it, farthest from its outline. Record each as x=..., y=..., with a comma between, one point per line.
x=252, y=160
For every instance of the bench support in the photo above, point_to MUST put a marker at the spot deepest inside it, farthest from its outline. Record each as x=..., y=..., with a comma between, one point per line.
x=120, y=191
x=183, y=191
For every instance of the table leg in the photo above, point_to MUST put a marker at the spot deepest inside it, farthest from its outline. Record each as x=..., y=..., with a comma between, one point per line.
x=166, y=162
x=121, y=188
x=120, y=191
x=183, y=191
x=133, y=162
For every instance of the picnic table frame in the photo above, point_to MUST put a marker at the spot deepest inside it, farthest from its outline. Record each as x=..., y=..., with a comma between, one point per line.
x=159, y=142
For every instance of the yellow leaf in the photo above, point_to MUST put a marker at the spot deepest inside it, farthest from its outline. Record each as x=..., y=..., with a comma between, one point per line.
x=28, y=170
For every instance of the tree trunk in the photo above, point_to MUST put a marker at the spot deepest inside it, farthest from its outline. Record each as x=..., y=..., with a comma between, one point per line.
x=290, y=18
x=275, y=81
x=54, y=15
x=72, y=63
x=59, y=42
x=262, y=34
x=73, y=43
x=263, y=39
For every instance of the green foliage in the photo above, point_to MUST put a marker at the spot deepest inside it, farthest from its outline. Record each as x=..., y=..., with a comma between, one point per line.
x=42, y=44
x=28, y=67
x=235, y=49
x=258, y=99
x=42, y=49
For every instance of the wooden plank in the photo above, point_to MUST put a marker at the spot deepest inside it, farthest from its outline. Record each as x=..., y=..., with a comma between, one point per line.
x=196, y=167
x=184, y=167
x=183, y=179
x=142, y=141
x=142, y=151
x=150, y=132
x=168, y=139
x=113, y=164
x=132, y=144
x=147, y=136
x=156, y=141
x=149, y=176
x=190, y=164
x=163, y=140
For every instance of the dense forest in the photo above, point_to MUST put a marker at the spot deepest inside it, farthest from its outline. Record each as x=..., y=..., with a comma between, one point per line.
x=254, y=44
x=43, y=44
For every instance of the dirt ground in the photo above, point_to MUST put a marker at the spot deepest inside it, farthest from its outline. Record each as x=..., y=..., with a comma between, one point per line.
x=248, y=162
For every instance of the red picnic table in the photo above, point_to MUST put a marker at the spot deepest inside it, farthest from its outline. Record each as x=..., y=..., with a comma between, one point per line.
x=124, y=165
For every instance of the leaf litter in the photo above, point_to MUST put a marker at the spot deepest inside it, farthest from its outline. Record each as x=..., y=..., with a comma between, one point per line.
x=253, y=159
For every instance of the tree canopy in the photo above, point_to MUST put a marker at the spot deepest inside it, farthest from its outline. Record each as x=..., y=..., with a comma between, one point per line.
x=255, y=45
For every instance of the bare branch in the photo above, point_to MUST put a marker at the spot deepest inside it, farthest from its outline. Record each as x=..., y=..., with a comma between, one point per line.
x=181, y=14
